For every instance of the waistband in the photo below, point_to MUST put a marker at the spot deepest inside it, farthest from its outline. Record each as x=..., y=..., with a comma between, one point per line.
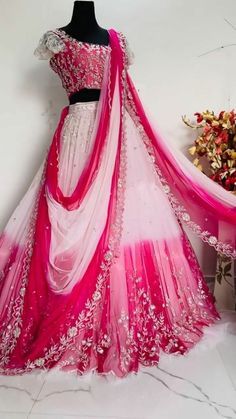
x=83, y=105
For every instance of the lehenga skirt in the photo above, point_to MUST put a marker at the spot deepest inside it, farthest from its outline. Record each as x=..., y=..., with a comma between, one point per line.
x=155, y=298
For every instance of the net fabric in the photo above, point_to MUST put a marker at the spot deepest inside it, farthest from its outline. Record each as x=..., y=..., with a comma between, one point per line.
x=199, y=203
x=49, y=44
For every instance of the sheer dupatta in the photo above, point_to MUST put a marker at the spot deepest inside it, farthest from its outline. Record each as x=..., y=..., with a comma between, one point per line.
x=202, y=205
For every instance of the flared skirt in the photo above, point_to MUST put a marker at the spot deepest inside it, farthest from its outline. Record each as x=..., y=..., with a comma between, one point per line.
x=154, y=297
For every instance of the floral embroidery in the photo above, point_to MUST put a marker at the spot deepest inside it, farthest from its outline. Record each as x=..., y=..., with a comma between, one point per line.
x=49, y=44
x=78, y=64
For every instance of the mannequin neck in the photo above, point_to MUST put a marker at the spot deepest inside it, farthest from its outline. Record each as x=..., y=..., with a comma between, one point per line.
x=83, y=18
x=83, y=25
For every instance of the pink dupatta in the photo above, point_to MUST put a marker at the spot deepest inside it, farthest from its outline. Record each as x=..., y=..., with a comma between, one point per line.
x=199, y=203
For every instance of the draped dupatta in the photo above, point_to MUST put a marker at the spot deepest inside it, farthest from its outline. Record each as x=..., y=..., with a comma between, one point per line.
x=197, y=202
x=202, y=205
x=104, y=170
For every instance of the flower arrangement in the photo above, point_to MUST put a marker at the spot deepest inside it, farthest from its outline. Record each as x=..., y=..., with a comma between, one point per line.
x=216, y=143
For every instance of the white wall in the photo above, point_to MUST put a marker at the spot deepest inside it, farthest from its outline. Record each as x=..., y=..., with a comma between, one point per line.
x=168, y=38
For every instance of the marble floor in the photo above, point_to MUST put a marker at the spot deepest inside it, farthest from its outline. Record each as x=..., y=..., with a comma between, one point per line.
x=200, y=385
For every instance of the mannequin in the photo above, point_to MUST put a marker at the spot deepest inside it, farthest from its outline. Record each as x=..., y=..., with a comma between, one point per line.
x=84, y=27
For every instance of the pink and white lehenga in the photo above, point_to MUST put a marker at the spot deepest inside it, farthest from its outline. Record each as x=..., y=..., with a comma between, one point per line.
x=97, y=273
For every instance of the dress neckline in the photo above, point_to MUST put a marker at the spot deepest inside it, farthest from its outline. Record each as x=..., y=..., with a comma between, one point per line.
x=66, y=35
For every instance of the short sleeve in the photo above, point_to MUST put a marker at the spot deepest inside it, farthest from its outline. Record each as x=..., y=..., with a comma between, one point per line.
x=49, y=44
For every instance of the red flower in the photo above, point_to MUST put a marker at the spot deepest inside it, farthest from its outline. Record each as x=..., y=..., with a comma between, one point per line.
x=199, y=117
x=207, y=129
x=218, y=150
x=222, y=137
x=217, y=130
x=221, y=114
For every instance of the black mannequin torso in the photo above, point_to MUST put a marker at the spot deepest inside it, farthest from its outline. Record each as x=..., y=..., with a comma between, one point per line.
x=84, y=27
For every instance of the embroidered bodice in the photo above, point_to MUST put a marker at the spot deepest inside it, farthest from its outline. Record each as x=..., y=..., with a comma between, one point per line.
x=79, y=64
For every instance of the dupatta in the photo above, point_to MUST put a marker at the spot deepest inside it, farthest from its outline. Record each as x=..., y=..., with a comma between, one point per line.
x=197, y=201
x=200, y=204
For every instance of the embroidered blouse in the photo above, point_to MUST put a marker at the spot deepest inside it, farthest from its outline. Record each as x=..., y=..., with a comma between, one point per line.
x=79, y=64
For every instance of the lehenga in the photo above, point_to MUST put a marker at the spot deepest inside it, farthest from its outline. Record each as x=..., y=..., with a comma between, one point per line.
x=97, y=272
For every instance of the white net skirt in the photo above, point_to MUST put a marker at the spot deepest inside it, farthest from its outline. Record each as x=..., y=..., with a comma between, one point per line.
x=76, y=143
x=147, y=212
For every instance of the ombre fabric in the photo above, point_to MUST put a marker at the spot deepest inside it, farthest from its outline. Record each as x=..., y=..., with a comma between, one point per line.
x=97, y=273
